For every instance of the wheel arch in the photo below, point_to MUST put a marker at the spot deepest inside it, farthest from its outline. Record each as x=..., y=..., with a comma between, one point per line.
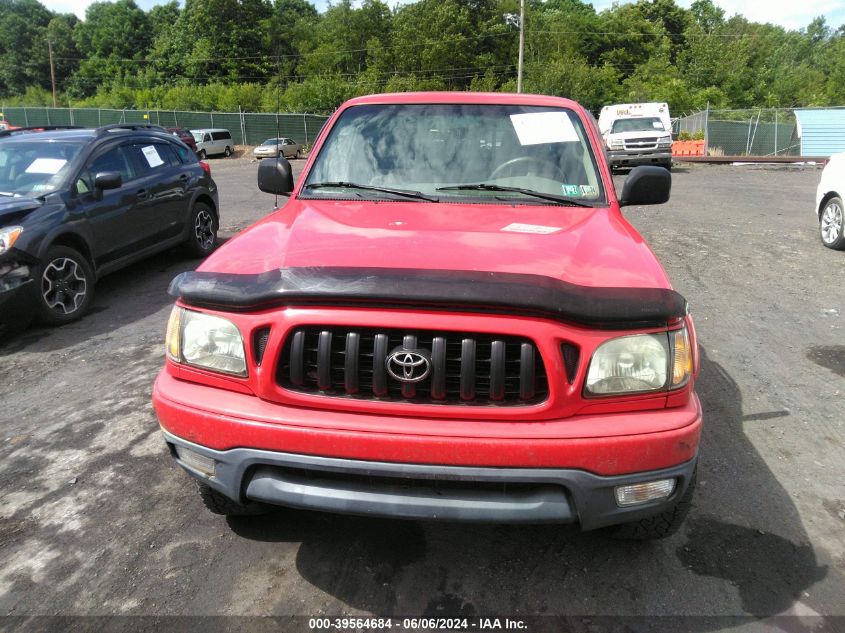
x=70, y=239
x=825, y=199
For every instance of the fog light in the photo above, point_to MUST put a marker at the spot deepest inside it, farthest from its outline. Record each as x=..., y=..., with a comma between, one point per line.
x=196, y=461
x=640, y=493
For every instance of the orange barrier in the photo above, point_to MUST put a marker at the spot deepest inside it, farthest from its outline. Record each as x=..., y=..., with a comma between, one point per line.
x=688, y=148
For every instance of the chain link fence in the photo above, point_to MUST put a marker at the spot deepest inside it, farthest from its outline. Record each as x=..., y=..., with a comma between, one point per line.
x=247, y=128
x=748, y=132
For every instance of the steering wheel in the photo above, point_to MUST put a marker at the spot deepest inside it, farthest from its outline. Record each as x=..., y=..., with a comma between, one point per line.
x=545, y=166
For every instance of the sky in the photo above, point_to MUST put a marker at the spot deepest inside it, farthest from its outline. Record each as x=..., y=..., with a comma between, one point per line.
x=792, y=14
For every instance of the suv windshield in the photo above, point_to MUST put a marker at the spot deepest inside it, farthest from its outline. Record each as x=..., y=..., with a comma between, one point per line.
x=34, y=168
x=644, y=124
x=448, y=150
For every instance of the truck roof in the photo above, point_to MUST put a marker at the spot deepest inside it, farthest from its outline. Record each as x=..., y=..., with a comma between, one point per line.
x=507, y=98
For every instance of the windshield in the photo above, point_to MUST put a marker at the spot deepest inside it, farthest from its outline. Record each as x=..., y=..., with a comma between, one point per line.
x=34, y=168
x=643, y=124
x=197, y=136
x=272, y=141
x=424, y=148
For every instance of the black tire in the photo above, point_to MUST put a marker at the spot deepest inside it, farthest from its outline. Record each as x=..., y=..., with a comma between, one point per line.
x=298, y=153
x=202, y=154
x=668, y=165
x=217, y=503
x=202, y=227
x=832, y=224
x=66, y=286
x=659, y=526
x=227, y=152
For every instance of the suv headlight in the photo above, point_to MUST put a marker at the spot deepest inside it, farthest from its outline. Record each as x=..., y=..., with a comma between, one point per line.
x=664, y=141
x=640, y=363
x=8, y=236
x=205, y=341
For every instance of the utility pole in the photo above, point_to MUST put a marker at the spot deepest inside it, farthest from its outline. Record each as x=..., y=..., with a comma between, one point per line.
x=521, y=44
x=52, y=71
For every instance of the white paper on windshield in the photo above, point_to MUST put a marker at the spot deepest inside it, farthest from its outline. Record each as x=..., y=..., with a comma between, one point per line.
x=150, y=153
x=657, y=124
x=516, y=227
x=49, y=166
x=535, y=128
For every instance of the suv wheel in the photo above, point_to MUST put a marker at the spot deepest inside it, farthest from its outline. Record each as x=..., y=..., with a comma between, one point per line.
x=221, y=504
x=67, y=286
x=203, y=225
x=228, y=151
x=831, y=224
x=202, y=155
x=661, y=525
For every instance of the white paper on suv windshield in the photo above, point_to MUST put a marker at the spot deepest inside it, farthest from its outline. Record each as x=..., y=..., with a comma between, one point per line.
x=150, y=153
x=50, y=166
x=535, y=128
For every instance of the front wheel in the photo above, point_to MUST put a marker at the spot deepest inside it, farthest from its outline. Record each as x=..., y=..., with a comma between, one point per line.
x=299, y=153
x=202, y=155
x=67, y=286
x=228, y=151
x=831, y=224
x=203, y=223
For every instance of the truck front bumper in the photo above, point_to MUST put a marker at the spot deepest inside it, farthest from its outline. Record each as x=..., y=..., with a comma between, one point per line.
x=293, y=462
x=631, y=158
x=424, y=491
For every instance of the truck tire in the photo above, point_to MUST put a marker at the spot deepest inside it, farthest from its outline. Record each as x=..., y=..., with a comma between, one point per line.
x=660, y=525
x=217, y=503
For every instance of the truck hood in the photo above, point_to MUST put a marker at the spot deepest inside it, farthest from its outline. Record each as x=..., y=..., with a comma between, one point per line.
x=13, y=208
x=584, y=246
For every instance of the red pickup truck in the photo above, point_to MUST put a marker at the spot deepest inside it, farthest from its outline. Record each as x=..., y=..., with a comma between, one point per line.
x=449, y=319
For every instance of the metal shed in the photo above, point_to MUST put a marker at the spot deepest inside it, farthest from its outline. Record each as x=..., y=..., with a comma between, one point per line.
x=821, y=131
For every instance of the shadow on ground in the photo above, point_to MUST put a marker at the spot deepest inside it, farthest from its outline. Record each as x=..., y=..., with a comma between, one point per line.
x=743, y=538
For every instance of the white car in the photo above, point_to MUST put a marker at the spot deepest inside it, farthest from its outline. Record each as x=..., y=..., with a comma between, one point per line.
x=830, y=209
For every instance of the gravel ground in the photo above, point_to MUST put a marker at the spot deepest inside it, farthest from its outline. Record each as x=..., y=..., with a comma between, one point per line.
x=95, y=519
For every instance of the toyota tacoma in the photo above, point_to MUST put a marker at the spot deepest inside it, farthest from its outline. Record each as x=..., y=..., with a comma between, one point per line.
x=449, y=319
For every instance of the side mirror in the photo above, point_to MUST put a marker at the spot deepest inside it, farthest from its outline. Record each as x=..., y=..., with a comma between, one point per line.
x=275, y=176
x=646, y=184
x=108, y=180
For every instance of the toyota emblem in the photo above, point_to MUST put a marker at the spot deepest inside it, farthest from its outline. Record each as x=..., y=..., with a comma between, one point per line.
x=408, y=365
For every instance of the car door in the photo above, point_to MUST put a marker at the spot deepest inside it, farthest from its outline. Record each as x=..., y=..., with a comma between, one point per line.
x=112, y=215
x=165, y=182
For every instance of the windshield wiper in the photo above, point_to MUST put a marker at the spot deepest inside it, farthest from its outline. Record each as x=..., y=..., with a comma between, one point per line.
x=482, y=186
x=351, y=185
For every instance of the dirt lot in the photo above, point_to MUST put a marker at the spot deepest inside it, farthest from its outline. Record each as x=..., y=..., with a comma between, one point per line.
x=95, y=519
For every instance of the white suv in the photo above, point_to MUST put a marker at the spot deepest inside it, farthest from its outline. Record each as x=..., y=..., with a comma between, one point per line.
x=830, y=209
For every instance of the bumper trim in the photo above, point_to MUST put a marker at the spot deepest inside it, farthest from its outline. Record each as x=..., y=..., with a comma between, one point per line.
x=544, y=495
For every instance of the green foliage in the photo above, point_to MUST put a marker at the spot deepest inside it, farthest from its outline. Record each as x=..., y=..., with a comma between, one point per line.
x=271, y=55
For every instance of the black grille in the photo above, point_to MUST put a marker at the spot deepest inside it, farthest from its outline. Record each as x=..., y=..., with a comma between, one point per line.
x=466, y=368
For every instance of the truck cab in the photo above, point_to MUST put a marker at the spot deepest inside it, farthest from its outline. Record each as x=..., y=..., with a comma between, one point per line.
x=637, y=134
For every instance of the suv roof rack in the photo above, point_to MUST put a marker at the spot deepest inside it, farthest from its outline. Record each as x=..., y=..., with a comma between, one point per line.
x=38, y=128
x=129, y=127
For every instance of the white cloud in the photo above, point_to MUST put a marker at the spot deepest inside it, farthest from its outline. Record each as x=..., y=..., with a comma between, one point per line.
x=792, y=14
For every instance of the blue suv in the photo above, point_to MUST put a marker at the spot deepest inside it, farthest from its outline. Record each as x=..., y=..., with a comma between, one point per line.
x=76, y=204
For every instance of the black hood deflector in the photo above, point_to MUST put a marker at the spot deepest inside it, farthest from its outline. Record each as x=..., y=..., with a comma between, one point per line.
x=456, y=290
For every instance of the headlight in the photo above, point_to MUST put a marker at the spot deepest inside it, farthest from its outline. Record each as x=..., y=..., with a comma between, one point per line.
x=8, y=236
x=617, y=144
x=640, y=363
x=665, y=141
x=206, y=341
